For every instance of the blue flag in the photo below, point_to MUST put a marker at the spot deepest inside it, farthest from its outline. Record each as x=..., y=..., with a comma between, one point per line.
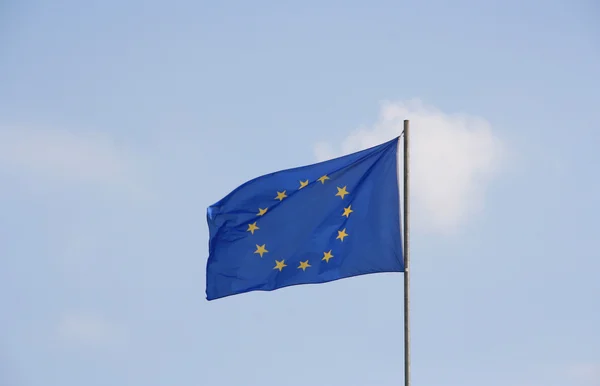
x=310, y=224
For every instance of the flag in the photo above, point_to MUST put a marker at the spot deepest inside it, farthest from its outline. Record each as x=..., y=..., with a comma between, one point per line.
x=306, y=225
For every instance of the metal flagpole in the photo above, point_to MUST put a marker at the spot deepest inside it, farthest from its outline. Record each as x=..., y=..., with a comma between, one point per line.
x=406, y=256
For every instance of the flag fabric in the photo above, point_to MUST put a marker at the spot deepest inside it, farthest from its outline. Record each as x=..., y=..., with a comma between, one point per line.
x=311, y=224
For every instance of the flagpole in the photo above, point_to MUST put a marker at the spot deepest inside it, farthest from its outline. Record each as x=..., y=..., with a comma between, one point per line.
x=406, y=256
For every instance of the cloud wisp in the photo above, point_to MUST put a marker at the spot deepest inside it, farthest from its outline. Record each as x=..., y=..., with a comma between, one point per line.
x=64, y=157
x=89, y=329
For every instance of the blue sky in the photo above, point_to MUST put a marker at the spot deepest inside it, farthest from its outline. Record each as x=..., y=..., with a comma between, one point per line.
x=121, y=122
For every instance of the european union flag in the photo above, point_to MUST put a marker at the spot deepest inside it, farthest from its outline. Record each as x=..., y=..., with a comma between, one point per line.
x=310, y=224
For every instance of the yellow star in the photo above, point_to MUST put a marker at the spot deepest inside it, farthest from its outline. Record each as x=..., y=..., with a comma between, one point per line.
x=279, y=265
x=303, y=184
x=342, y=234
x=281, y=196
x=304, y=265
x=327, y=256
x=260, y=249
x=252, y=228
x=347, y=211
x=261, y=211
x=322, y=179
x=342, y=192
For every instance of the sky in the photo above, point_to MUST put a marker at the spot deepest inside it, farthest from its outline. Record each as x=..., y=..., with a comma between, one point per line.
x=121, y=122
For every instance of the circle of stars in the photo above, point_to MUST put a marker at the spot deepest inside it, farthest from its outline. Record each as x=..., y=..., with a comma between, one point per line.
x=342, y=192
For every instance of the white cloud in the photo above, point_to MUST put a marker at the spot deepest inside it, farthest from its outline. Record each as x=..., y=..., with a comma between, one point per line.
x=89, y=329
x=453, y=159
x=61, y=155
x=586, y=373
